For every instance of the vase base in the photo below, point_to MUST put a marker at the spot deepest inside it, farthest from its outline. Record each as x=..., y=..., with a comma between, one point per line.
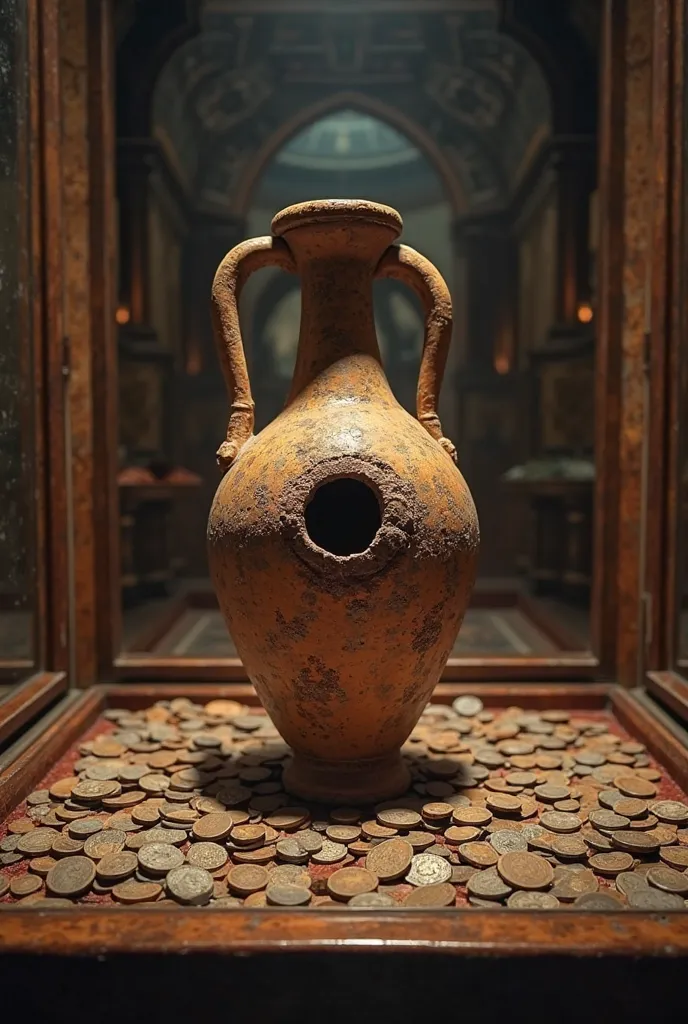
x=347, y=782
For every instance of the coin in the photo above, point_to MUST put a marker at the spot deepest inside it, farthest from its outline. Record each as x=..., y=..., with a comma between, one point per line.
x=439, y=895
x=288, y=819
x=399, y=817
x=63, y=846
x=189, y=885
x=292, y=851
x=427, y=869
x=287, y=895
x=209, y=856
x=71, y=876
x=609, y=820
x=290, y=874
x=628, y=881
x=479, y=855
x=611, y=864
x=675, y=856
x=631, y=807
x=560, y=821
x=246, y=835
x=372, y=830
x=159, y=858
x=390, y=859
x=105, y=842
x=247, y=878
x=372, y=900
x=575, y=884
x=455, y=835
x=330, y=853
x=672, y=811
x=633, y=785
x=25, y=885
x=668, y=879
x=82, y=828
x=503, y=803
x=570, y=847
x=635, y=842
x=131, y=891
x=36, y=843
x=488, y=885
x=115, y=867
x=598, y=901
x=654, y=900
x=508, y=841
x=419, y=840
x=467, y=706
x=348, y=882
x=525, y=870
x=343, y=833
x=42, y=865
x=474, y=815
x=92, y=791
x=522, y=900
x=213, y=827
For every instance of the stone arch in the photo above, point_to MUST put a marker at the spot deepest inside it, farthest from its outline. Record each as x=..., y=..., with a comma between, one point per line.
x=254, y=168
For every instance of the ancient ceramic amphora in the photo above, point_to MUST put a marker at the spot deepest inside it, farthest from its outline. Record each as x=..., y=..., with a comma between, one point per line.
x=342, y=539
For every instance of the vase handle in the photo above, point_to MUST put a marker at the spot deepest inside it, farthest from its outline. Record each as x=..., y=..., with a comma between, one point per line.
x=402, y=263
x=232, y=274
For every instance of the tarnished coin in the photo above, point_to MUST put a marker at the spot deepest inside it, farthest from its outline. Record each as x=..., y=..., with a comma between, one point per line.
x=348, y=882
x=612, y=863
x=399, y=818
x=287, y=895
x=71, y=876
x=675, y=856
x=672, y=811
x=209, y=856
x=503, y=803
x=479, y=855
x=291, y=851
x=247, y=835
x=575, y=884
x=82, y=828
x=372, y=901
x=345, y=815
x=525, y=871
x=631, y=807
x=390, y=859
x=373, y=830
x=476, y=816
x=309, y=840
x=36, y=843
x=455, y=834
x=652, y=900
x=247, y=878
x=190, y=886
x=560, y=821
x=170, y=836
x=62, y=789
x=427, y=869
x=110, y=840
x=131, y=891
x=550, y=793
x=467, y=706
x=569, y=847
x=330, y=853
x=668, y=879
x=607, y=820
x=440, y=895
x=290, y=874
x=419, y=840
x=63, y=846
x=634, y=842
x=488, y=885
x=628, y=881
x=633, y=785
x=42, y=865
x=93, y=791
x=507, y=840
x=343, y=833
x=115, y=867
x=159, y=858
x=213, y=827
x=288, y=819
x=523, y=900
x=38, y=797
x=25, y=885
x=599, y=901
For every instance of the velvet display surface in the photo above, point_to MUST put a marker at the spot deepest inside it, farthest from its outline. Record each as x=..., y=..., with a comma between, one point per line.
x=667, y=789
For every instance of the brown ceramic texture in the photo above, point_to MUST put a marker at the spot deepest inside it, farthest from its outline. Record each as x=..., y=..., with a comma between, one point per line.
x=344, y=642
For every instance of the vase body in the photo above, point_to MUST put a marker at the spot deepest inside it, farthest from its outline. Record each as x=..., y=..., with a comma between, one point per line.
x=342, y=539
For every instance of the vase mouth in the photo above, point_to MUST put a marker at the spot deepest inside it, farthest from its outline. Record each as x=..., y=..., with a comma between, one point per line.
x=332, y=211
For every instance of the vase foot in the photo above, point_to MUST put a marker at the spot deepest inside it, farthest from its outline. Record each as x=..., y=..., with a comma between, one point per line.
x=347, y=782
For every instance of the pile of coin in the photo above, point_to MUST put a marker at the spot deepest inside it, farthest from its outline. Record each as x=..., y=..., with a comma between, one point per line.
x=183, y=803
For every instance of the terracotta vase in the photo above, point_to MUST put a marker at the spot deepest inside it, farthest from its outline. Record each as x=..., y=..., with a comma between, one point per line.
x=342, y=539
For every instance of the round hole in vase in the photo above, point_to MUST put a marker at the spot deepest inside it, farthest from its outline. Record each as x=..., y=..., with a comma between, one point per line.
x=343, y=516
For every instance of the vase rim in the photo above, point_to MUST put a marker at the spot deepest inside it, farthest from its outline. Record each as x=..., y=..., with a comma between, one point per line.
x=323, y=211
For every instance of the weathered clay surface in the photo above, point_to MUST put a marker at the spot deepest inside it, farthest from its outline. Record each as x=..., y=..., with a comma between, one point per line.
x=343, y=649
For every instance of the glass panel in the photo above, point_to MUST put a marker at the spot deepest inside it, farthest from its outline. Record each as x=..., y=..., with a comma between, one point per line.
x=17, y=536
x=451, y=124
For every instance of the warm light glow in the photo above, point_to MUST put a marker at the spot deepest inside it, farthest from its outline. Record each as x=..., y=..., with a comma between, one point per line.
x=122, y=316
x=502, y=363
x=585, y=313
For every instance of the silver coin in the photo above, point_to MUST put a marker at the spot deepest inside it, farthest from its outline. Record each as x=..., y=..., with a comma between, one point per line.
x=427, y=869
x=508, y=840
x=468, y=706
x=189, y=885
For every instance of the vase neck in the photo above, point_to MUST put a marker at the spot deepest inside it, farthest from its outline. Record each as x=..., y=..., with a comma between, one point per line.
x=337, y=320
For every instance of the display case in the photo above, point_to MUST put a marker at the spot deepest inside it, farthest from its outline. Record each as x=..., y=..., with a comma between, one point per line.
x=79, y=668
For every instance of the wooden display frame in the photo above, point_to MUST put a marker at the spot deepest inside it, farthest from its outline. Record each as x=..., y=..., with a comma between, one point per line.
x=80, y=931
